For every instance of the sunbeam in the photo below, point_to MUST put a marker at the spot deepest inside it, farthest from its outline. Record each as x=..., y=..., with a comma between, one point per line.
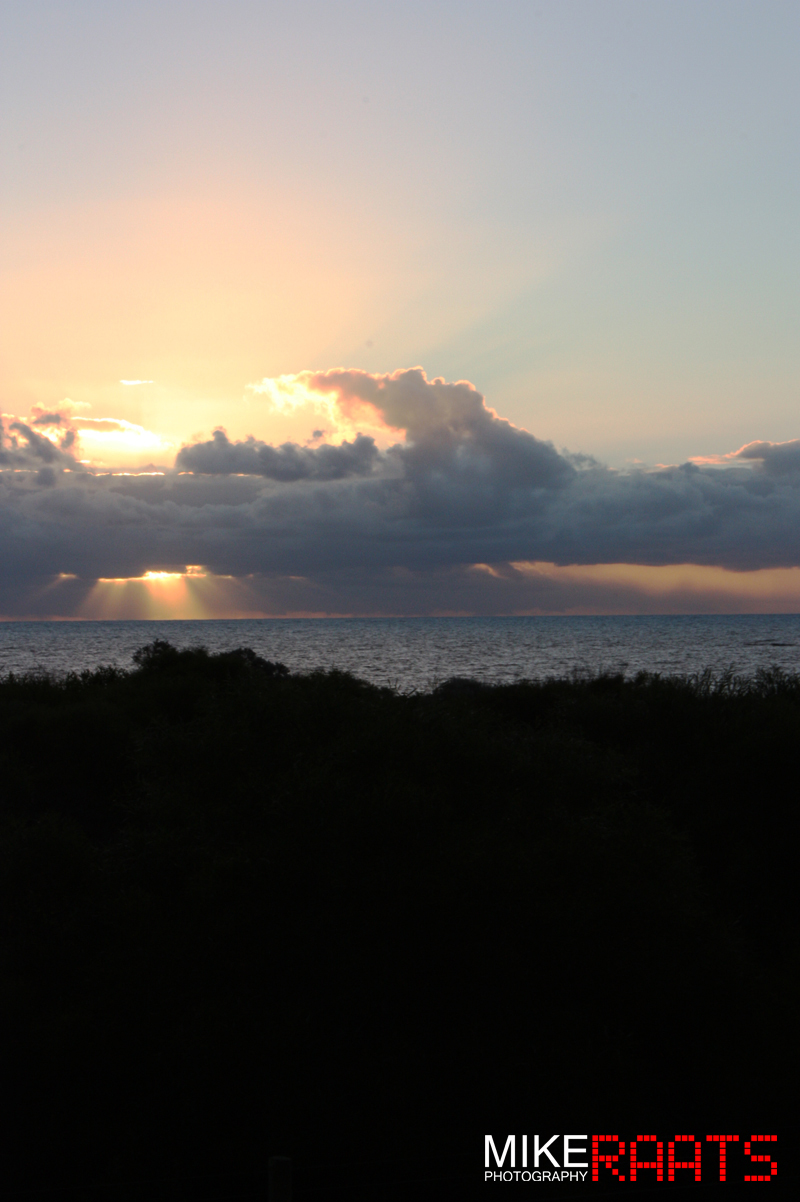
x=159, y=595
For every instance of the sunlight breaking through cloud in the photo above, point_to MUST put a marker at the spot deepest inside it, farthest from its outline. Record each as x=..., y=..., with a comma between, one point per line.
x=156, y=594
x=343, y=413
x=459, y=510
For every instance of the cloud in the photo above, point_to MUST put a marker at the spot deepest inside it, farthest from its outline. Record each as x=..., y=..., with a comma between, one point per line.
x=104, y=441
x=134, y=383
x=106, y=425
x=773, y=458
x=315, y=528
x=23, y=448
x=450, y=432
x=289, y=462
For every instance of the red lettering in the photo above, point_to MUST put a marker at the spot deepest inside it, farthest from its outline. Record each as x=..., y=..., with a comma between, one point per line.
x=657, y=1164
x=723, y=1141
x=609, y=1159
x=758, y=1156
x=673, y=1164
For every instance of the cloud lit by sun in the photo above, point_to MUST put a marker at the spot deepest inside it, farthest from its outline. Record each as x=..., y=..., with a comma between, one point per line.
x=305, y=394
x=293, y=518
x=96, y=442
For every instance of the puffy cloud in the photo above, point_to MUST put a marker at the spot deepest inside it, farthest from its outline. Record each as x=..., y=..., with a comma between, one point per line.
x=22, y=447
x=450, y=431
x=287, y=463
x=774, y=458
x=402, y=525
x=66, y=429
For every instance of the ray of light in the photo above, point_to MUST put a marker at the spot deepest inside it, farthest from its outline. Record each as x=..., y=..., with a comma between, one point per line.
x=191, y=593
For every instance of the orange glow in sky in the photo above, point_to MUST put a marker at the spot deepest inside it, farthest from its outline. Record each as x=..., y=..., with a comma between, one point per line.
x=583, y=212
x=616, y=589
x=192, y=593
x=673, y=586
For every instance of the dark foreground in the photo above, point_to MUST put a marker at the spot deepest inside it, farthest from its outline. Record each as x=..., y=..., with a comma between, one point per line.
x=247, y=914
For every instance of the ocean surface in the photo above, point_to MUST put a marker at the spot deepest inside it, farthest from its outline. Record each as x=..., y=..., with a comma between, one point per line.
x=417, y=653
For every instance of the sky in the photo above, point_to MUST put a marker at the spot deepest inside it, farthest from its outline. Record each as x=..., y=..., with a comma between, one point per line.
x=363, y=308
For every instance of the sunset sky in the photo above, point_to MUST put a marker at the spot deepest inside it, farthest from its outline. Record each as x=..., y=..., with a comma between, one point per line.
x=371, y=308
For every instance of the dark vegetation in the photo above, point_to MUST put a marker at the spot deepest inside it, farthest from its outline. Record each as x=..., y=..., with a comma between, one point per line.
x=248, y=913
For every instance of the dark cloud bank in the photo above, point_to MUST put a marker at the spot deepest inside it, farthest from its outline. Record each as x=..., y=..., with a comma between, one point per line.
x=351, y=528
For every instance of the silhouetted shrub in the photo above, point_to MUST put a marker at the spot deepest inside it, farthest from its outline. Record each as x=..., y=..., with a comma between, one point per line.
x=246, y=911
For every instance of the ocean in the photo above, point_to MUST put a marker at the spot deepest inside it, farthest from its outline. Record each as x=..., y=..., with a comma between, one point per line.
x=418, y=653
